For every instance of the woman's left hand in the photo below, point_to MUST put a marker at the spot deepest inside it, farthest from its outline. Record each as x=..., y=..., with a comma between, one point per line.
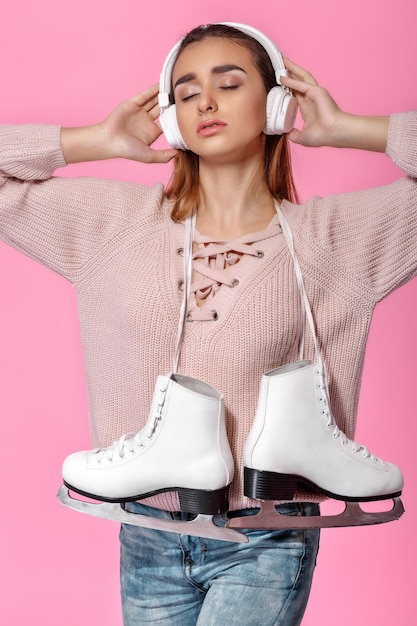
x=319, y=111
x=325, y=124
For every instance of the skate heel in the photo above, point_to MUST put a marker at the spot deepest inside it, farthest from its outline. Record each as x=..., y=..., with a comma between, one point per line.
x=264, y=485
x=204, y=501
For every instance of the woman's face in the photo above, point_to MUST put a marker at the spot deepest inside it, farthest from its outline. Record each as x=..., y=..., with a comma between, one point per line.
x=220, y=100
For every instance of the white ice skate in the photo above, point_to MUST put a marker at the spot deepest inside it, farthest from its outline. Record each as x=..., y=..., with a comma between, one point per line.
x=295, y=441
x=183, y=448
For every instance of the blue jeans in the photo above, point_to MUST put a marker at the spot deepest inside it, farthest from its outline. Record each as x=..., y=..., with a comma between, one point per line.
x=180, y=580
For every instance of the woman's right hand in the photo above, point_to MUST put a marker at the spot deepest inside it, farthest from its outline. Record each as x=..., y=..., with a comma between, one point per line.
x=324, y=123
x=127, y=133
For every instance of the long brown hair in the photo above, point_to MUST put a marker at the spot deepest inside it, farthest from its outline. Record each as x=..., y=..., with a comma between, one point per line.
x=183, y=186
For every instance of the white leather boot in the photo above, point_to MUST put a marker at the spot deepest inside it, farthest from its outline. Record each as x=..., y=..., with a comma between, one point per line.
x=183, y=447
x=295, y=441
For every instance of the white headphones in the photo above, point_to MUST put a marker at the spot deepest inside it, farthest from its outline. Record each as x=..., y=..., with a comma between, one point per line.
x=281, y=106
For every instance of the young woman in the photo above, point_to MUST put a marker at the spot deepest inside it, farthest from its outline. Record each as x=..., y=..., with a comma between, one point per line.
x=122, y=245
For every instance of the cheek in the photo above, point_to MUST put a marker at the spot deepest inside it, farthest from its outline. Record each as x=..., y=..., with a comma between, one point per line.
x=182, y=119
x=256, y=113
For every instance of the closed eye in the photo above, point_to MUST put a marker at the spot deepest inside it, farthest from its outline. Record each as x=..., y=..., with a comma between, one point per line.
x=223, y=87
x=185, y=98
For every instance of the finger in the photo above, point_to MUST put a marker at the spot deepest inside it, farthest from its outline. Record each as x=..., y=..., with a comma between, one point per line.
x=158, y=125
x=155, y=112
x=294, y=135
x=295, y=84
x=153, y=131
x=299, y=72
x=149, y=104
x=147, y=96
x=162, y=156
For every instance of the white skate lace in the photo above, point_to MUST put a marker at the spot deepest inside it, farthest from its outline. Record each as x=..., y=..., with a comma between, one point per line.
x=130, y=442
x=305, y=311
x=331, y=423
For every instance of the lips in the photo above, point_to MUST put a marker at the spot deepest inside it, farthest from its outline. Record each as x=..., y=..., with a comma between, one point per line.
x=209, y=127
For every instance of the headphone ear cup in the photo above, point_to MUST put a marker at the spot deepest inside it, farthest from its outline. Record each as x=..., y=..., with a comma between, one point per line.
x=281, y=110
x=169, y=124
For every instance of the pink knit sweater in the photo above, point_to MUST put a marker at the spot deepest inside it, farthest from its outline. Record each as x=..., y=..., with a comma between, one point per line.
x=115, y=242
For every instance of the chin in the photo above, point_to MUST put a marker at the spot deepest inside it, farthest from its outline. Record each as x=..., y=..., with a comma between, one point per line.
x=229, y=153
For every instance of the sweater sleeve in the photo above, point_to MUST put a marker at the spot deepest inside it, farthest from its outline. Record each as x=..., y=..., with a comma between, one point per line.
x=61, y=222
x=365, y=242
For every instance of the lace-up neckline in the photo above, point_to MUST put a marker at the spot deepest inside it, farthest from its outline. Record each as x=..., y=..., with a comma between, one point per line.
x=213, y=263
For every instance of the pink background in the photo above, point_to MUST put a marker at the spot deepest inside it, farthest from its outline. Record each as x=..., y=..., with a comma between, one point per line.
x=70, y=62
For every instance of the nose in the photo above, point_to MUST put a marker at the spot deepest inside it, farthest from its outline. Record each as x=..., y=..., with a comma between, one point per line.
x=206, y=102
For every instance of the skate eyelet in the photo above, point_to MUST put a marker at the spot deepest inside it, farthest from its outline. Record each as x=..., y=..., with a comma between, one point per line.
x=180, y=285
x=180, y=251
x=235, y=282
x=260, y=254
x=215, y=315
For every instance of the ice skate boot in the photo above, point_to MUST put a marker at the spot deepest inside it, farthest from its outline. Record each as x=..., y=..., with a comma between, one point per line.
x=183, y=448
x=295, y=442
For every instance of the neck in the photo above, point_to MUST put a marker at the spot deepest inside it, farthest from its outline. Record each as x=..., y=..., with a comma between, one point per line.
x=234, y=199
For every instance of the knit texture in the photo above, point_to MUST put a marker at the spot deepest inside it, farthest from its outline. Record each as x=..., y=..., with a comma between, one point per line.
x=115, y=242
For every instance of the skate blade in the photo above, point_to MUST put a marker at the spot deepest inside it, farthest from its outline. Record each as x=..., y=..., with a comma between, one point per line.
x=269, y=518
x=202, y=526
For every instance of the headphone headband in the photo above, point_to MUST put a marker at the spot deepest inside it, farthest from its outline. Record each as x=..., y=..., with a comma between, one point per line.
x=273, y=53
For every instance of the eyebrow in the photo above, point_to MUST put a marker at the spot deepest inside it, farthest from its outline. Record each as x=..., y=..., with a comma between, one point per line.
x=219, y=69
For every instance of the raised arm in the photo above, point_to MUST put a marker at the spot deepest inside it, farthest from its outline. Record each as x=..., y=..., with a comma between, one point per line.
x=127, y=133
x=64, y=222
x=325, y=124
